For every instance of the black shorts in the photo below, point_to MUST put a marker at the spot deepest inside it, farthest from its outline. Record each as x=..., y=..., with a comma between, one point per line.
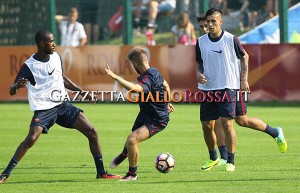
x=153, y=127
x=213, y=109
x=64, y=115
x=241, y=105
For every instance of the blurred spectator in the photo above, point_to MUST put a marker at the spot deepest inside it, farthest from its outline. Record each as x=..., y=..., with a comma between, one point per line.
x=184, y=31
x=89, y=15
x=237, y=8
x=191, y=7
x=292, y=2
x=72, y=32
x=150, y=36
x=152, y=8
x=138, y=7
x=268, y=11
x=218, y=4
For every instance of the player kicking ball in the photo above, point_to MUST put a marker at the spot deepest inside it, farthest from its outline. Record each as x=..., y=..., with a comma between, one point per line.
x=153, y=116
x=42, y=73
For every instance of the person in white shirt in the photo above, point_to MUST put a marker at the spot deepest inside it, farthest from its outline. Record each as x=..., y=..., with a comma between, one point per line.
x=222, y=70
x=241, y=117
x=72, y=32
x=152, y=8
x=42, y=73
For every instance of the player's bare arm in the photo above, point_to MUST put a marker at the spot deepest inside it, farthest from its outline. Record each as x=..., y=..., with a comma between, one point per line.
x=199, y=73
x=126, y=84
x=70, y=85
x=244, y=72
x=73, y=87
x=167, y=89
x=21, y=83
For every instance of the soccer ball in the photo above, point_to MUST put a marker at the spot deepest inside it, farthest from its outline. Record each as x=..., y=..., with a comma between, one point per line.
x=164, y=163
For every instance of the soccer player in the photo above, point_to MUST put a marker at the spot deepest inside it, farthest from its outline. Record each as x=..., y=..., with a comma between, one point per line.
x=42, y=73
x=153, y=116
x=241, y=118
x=219, y=71
x=202, y=24
x=220, y=135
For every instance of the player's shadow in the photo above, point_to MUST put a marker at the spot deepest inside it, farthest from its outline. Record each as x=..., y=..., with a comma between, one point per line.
x=48, y=170
x=49, y=181
x=221, y=180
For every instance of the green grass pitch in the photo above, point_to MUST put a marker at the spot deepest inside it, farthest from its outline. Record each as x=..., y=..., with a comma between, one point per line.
x=61, y=162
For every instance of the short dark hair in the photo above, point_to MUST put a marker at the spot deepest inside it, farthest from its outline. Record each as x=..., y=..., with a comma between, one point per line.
x=41, y=36
x=212, y=11
x=201, y=18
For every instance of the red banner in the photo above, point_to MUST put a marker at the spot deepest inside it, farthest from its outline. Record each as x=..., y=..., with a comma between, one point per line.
x=273, y=69
x=84, y=66
x=274, y=72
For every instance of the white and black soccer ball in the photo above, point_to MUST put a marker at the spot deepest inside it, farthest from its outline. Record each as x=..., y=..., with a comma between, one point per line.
x=164, y=162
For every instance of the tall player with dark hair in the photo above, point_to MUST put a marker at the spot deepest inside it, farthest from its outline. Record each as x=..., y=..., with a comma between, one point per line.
x=153, y=116
x=241, y=116
x=42, y=73
x=220, y=135
x=240, y=110
x=220, y=71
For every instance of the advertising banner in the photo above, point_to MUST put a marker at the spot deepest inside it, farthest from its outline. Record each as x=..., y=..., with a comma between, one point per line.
x=273, y=69
x=84, y=66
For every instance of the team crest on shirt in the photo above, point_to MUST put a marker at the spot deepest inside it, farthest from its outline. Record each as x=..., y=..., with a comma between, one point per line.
x=36, y=120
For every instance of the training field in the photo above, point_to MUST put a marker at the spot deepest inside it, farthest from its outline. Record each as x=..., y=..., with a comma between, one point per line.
x=61, y=162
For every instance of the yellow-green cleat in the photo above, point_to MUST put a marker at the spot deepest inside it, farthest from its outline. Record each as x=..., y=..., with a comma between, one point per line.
x=210, y=163
x=280, y=140
x=230, y=167
x=222, y=162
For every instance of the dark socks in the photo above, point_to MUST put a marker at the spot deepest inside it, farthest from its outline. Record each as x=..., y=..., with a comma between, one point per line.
x=230, y=158
x=125, y=151
x=132, y=171
x=213, y=155
x=271, y=131
x=223, y=152
x=11, y=165
x=122, y=156
x=99, y=164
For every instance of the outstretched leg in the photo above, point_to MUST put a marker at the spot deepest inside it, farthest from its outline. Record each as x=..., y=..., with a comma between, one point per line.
x=119, y=158
x=31, y=138
x=83, y=125
x=132, y=142
x=259, y=125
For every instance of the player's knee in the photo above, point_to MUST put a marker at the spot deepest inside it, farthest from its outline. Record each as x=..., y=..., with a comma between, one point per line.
x=227, y=126
x=92, y=133
x=241, y=122
x=131, y=140
x=207, y=128
x=30, y=141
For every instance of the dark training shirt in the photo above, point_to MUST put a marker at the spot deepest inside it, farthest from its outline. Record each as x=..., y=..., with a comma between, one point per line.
x=152, y=82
